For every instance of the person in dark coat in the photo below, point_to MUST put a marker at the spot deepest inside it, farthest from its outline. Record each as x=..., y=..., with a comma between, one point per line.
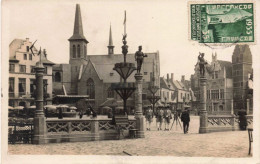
x=185, y=118
x=242, y=119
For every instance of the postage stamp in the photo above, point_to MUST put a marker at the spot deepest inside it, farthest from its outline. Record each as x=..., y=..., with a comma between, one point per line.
x=222, y=22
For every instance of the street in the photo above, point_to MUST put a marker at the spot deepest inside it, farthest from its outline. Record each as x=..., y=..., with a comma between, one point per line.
x=231, y=144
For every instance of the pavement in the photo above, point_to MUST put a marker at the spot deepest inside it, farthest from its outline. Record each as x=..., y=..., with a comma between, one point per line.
x=231, y=144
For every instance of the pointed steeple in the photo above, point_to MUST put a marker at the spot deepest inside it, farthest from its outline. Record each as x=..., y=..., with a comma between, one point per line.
x=78, y=28
x=110, y=44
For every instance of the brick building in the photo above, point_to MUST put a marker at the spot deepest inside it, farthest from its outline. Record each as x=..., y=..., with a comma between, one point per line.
x=93, y=74
x=22, y=74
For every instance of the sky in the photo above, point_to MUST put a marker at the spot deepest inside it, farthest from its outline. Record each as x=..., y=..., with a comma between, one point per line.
x=156, y=25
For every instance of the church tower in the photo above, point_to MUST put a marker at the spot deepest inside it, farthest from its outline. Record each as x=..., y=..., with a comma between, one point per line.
x=241, y=67
x=78, y=51
x=78, y=42
x=110, y=44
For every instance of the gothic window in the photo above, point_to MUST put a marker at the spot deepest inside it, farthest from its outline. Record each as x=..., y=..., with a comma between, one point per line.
x=91, y=88
x=78, y=51
x=74, y=51
x=110, y=93
x=57, y=77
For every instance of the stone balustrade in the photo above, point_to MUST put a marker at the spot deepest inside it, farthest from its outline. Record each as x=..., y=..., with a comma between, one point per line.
x=89, y=129
x=225, y=122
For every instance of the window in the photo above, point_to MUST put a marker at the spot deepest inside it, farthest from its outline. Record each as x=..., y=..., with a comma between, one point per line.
x=74, y=51
x=22, y=68
x=78, y=51
x=45, y=84
x=45, y=70
x=27, y=48
x=22, y=86
x=145, y=73
x=222, y=94
x=111, y=74
x=32, y=85
x=11, y=87
x=30, y=56
x=181, y=96
x=24, y=56
x=167, y=95
x=32, y=69
x=57, y=77
x=110, y=93
x=11, y=67
x=214, y=94
x=91, y=88
x=216, y=74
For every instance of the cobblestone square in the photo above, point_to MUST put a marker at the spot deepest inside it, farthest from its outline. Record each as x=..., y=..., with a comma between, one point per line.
x=231, y=144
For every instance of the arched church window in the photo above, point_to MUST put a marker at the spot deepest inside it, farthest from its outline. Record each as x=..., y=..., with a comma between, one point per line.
x=91, y=88
x=78, y=51
x=74, y=51
x=57, y=77
x=110, y=93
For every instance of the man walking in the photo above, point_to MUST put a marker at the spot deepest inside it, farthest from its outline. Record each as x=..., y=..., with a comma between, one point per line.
x=185, y=118
x=149, y=118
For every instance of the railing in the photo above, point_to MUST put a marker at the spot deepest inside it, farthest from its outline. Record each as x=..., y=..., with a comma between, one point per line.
x=74, y=130
x=225, y=123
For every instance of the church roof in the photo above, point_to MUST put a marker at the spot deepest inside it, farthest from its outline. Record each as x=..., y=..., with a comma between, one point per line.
x=78, y=28
x=104, y=65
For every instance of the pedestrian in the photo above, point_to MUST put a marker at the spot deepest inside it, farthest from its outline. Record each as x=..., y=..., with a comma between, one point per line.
x=168, y=117
x=185, y=118
x=159, y=118
x=242, y=119
x=149, y=118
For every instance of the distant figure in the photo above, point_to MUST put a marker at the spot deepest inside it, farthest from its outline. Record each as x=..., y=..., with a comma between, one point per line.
x=167, y=118
x=60, y=113
x=139, y=57
x=149, y=118
x=242, y=119
x=202, y=64
x=80, y=114
x=185, y=118
x=159, y=118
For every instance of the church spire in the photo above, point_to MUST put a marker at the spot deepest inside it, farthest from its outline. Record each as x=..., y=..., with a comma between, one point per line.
x=110, y=44
x=78, y=28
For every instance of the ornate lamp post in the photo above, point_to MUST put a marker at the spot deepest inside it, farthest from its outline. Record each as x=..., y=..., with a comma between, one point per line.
x=203, y=91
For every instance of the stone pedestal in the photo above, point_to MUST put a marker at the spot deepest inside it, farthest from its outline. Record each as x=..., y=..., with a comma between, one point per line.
x=39, y=118
x=138, y=106
x=203, y=111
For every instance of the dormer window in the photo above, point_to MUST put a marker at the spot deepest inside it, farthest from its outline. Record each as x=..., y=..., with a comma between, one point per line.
x=27, y=48
x=111, y=73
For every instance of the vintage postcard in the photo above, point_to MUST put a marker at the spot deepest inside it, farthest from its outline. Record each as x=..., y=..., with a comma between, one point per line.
x=130, y=81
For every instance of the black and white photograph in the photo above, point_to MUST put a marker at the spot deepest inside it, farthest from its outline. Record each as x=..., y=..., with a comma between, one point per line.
x=115, y=81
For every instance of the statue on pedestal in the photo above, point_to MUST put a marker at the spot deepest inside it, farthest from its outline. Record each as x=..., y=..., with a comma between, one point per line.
x=139, y=57
x=202, y=64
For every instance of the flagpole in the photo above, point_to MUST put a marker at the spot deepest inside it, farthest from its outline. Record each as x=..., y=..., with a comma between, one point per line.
x=125, y=23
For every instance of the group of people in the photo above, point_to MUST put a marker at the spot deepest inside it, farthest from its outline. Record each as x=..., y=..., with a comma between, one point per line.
x=164, y=115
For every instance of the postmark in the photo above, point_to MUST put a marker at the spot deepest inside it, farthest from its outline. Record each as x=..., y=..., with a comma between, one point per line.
x=221, y=23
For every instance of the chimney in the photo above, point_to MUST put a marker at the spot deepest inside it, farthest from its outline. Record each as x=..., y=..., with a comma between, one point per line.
x=167, y=77
x=182, y=78
x=172, y=76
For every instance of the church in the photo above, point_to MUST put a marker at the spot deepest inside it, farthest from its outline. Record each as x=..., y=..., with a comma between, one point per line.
x=93, y=75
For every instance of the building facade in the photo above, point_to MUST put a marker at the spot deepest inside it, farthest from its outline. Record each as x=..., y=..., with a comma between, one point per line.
x=226, y=82
x=93, y=74
x=22, y=74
